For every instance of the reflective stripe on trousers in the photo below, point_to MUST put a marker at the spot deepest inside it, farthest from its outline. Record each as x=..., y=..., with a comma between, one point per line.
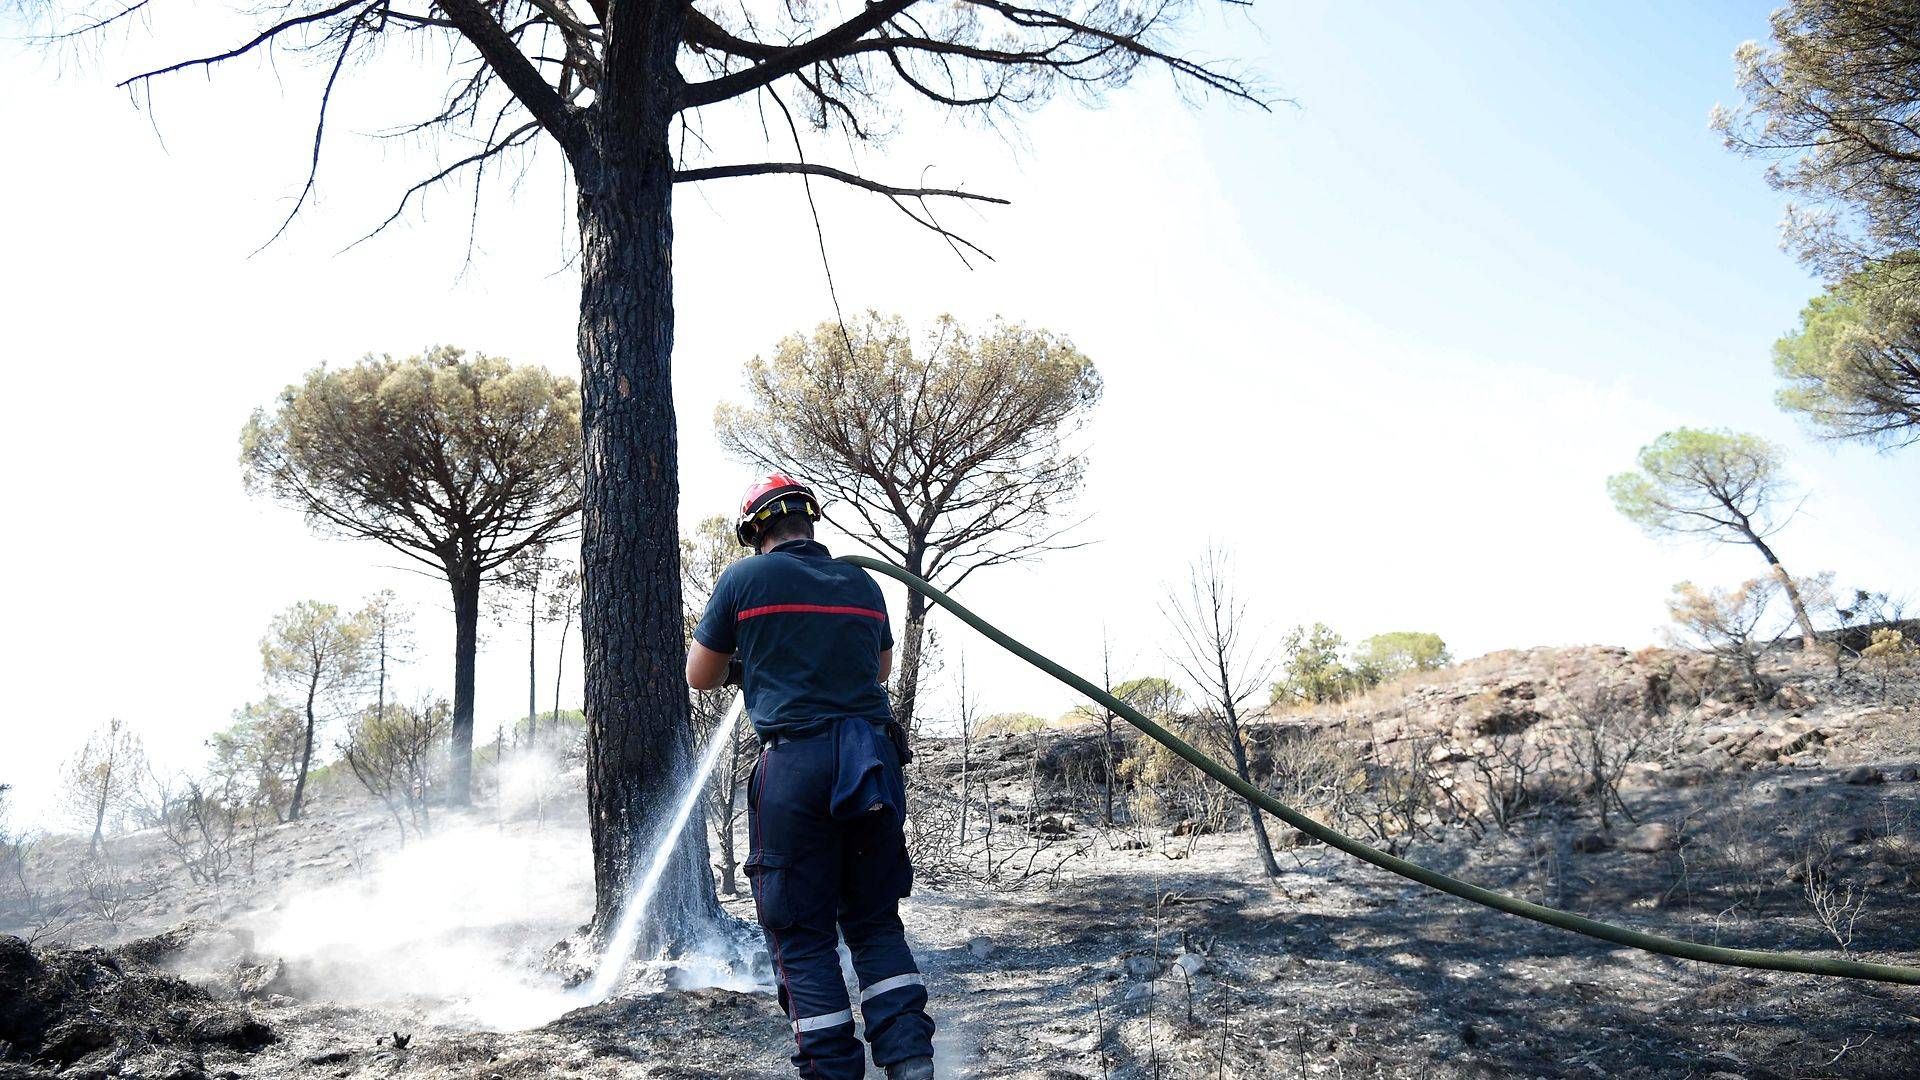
x=815, y=1023
x=911, y=978
x=817, y=879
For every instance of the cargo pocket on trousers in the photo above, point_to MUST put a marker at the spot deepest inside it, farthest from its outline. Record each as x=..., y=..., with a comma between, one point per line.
x=770, y=875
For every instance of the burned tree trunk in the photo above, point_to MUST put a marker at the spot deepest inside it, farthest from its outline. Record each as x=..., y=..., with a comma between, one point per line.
x=909, y=647
x=466, y=643
x=1262, y=843
x=906, y=685
x=299, y=801
x=639, y=722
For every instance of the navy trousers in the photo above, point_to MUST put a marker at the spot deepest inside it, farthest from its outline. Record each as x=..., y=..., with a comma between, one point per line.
x=818, y=876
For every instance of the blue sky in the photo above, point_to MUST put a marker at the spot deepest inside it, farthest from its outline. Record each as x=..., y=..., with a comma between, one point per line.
x=1385, y=342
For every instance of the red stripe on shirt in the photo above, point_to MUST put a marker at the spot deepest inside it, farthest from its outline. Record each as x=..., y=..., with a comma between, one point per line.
x=817, y=609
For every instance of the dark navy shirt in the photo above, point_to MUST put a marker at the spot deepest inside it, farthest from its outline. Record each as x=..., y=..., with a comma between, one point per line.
x=808, y=632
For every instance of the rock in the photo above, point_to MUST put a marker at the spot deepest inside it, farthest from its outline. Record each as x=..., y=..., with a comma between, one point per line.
x=1653, y=836
x=1734, y=744
x=1688, y=775
x=232, y=1029
x=1592, y=841
x=1068, y=1040
x=1142, y=966
x=1191, y=963
x=1794, y=699
x=1909, y=774
x=1131, y=844
x=1781, y=738
x=1051, y=827
x=980, y=947
x=1863, y=774
x=1293, y=838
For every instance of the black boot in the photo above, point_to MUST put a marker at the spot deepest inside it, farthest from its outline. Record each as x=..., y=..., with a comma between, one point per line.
x=920, y=1068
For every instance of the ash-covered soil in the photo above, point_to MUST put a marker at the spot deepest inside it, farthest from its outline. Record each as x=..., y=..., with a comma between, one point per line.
x=1143, y=950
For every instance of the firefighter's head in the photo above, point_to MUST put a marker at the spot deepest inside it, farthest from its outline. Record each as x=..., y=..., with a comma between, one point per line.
x=775, y=509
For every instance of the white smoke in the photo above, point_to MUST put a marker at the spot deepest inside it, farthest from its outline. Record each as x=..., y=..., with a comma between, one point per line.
x=455, y=924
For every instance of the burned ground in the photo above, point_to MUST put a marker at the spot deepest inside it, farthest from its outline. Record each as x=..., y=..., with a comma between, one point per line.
x=1145, y=949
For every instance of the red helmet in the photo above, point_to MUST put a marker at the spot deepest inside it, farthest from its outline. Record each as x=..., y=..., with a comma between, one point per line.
x=769, y=498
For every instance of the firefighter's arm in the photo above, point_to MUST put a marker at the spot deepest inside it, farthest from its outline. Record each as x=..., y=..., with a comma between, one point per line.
x=706, y=668
x=886, y=664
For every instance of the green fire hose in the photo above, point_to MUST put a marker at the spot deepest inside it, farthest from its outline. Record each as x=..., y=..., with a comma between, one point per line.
x=1565, y=920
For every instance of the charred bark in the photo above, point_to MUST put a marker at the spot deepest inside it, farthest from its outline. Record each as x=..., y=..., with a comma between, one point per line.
x=1262, y=843
x=913, y=630
x=639, y=748
x=1808, y=637
x=299, y=801
x=466, y=642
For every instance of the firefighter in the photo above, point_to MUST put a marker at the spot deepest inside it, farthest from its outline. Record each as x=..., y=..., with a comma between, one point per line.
x=808, y=641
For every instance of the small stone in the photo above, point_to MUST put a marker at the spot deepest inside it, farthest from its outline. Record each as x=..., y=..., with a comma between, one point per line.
x=1653, y=836
x=1191, y=963
x=1909, y=774
x=1863, y=774
x=1142, y=967
x=1592, y=841
x=980, y=947
x=1794, y=699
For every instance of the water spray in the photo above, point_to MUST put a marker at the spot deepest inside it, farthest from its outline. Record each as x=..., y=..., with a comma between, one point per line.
x=633, y=911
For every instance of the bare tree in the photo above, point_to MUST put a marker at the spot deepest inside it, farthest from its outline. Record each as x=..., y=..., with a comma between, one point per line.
x=99, y=781
x=704, y=556
x=1107, y=721
x=399, y=757
x=1515, y=776
x=625, y=92
x=16, y=848
x=531, y=581
x=563, y=609
x=947, y=456
x=1610, y=733
x=967, y=720
x=202, y=825
x=1728, y=624
x=1224, y=666
x=389, y=640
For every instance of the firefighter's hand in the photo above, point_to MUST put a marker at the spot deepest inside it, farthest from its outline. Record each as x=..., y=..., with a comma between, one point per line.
x=736, y=672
